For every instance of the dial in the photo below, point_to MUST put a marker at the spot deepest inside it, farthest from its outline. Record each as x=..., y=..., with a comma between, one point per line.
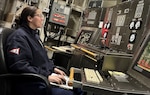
x=131, y=26
x=138, y=25
x=132, y=37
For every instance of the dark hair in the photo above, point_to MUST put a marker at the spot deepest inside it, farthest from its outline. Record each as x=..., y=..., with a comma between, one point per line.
x=27, y=11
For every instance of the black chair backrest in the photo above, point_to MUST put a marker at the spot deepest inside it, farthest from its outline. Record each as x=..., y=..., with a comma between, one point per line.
x=4, y=33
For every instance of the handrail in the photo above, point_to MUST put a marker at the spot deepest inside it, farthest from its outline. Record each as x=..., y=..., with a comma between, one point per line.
x=85, y=50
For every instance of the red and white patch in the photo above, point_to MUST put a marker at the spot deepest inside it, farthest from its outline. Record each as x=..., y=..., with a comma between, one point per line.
x=15, y=51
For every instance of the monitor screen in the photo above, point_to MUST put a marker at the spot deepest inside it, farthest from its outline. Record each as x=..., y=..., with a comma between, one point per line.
x=85, y=36
x=142, y=64
x=88, y=36
x=140, y=67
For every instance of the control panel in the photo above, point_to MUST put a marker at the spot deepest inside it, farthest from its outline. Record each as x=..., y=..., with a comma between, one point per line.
x=137, y=24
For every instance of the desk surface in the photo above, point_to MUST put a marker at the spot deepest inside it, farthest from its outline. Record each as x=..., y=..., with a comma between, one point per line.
x=112, y=87
x=63, y=48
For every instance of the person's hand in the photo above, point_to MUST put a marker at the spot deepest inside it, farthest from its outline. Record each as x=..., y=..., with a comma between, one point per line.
x=59, y=79
x=58, y=71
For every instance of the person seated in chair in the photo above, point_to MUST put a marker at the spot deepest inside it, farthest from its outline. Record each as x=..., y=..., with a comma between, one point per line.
x=26, y=54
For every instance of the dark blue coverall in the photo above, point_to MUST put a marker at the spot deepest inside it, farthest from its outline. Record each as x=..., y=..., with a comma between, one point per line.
x=25, y=54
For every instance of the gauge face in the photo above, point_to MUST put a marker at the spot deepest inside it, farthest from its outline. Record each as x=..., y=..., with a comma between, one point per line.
x=132, y=37
x=138, y=25
x=131, y=26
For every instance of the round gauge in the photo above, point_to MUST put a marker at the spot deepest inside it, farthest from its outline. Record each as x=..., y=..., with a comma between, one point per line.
x=132, y=37
x=131, y=26
x=138, y=25
x=108, y=25
x=105, y=35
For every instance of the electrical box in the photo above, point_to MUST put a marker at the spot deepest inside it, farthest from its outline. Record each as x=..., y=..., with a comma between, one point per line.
x=60, y=14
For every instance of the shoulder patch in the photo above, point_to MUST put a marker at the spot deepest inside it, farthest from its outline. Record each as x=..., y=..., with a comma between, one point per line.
x=15, y=51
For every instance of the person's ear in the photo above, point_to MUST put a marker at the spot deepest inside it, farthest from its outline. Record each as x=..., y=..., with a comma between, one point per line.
x=29, y=18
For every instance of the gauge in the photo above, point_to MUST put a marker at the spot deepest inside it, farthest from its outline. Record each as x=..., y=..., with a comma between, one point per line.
x=132, y=37
x=131, y=26
x=138, y=25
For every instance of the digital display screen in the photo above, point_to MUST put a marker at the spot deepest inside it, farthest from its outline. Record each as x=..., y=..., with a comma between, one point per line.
x=85, y=36
x=142, y=64
x=88, y=36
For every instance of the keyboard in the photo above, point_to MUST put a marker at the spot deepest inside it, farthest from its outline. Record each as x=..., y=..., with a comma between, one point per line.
x=93, y=76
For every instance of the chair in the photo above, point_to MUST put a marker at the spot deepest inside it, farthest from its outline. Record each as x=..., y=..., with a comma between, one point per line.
x=8, y=80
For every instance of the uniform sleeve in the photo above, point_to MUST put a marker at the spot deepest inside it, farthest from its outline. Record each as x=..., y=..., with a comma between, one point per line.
x=19, y=57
